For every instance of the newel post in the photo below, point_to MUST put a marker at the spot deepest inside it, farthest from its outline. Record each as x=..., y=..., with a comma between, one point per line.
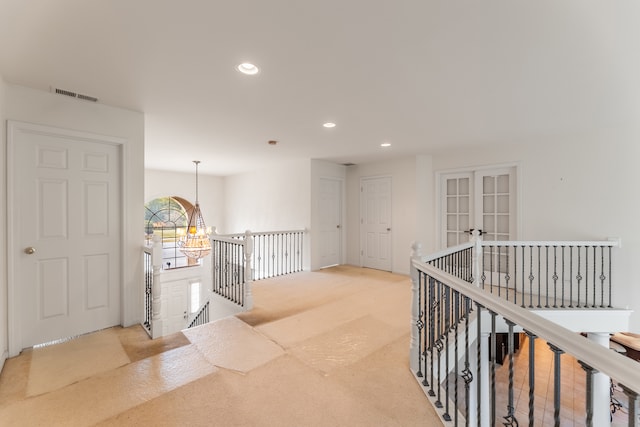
x=414, y=346
x=248, y=270
x=156, y=291
x=476, y=239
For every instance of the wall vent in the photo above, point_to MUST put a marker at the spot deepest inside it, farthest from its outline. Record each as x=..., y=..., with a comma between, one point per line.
x=74, y=95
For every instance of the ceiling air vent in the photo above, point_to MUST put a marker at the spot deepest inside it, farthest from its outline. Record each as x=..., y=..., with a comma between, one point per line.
x=75, y=95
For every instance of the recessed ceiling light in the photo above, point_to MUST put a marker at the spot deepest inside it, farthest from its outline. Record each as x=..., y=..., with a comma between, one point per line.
x=385, y=144
x=329, y=125
x=248, y=68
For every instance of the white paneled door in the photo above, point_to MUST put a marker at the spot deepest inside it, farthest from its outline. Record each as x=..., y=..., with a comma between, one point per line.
x=330, y=221
x=375, y=223
x=65, y=241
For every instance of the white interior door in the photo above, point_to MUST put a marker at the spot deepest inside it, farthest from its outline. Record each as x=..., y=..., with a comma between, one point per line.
x=65, y=242
x=175, y=317
x=330, y=221
x=375, y=223
x=483, y=200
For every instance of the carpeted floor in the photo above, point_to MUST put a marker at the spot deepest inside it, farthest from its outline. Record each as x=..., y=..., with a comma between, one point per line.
x=326, y=348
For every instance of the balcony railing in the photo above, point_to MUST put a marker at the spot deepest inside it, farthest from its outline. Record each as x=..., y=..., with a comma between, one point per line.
x=459, y=309
x=276, y=253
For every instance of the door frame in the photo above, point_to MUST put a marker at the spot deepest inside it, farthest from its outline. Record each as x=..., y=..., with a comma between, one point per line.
x=14, y=332
x=472, y=169
x=360, y=217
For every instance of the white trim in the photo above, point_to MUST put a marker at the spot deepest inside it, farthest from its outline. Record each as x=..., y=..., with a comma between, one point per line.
x=14, y=126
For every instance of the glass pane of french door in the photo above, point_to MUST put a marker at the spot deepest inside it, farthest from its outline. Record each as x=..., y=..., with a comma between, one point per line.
x=457, y=206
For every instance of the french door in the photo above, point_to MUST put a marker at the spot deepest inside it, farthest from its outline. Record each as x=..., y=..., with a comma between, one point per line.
x=483, y=200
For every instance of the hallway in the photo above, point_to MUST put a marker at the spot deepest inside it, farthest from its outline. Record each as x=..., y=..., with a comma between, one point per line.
x=325, y=348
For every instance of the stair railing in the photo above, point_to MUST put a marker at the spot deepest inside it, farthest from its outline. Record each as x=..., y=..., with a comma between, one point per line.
x=232, y=268
x=152, y=266
x=451, y=313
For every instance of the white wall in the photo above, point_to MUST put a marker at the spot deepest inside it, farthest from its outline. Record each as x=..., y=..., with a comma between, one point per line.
x=403, y=212
x=4, y=320
x=425, y=200
x=33, y=106
x=276, y=198
x=270, y=199
x=210, y=191
x=322, y=169
x=580, y=187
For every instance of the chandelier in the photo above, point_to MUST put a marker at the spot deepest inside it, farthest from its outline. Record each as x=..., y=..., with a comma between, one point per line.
x=195, y=243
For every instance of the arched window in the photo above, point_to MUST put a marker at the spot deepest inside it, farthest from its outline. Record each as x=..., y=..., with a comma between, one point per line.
x=168, y=217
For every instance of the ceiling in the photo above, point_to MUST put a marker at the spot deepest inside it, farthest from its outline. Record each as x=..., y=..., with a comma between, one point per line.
x=423, y=75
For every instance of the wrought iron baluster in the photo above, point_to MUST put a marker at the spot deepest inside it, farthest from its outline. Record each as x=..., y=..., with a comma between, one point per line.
x=439, y=344
x=555, y=276
x=491, y=267
x=499, y=271
x=589, y=389
x=478, y=364
x=447, y=322
x=539, y=279
x=531, y=278
x=506, y=275
x=510, y=418
x=610, y=277
x=467, y=376
x=455, y=356
x=432, y=332
x=419, y=323
x=523, y=279
x=483, y=275
x=602, y=277
x=557, y=352
x=570, y=276
x=515, y=277
x=422, y=351
x=586, y=277
x=594, y=277
x=532, y=368
x=579, y=275
x=546, y=264
x=492, y=367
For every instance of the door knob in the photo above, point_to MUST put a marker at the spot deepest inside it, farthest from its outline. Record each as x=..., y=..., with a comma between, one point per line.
x=338, y=226
x=388, y=229
x=30, y=250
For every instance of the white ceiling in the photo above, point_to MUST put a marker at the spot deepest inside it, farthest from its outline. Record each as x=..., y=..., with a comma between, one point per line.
x=425, y=75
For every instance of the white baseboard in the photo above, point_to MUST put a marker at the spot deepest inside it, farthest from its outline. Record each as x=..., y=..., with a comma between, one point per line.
x=3, y=357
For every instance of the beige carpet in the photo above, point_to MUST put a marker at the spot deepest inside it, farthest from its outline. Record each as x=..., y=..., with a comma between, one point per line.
x=58, y=365
x=232, y=344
